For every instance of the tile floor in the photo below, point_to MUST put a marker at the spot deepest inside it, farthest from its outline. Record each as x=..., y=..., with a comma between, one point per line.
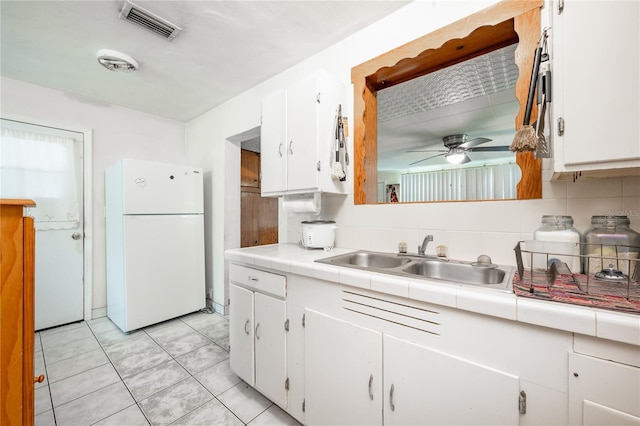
x=176, y=372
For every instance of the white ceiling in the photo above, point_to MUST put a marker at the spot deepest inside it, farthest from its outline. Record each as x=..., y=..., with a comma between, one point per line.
x=225, y=48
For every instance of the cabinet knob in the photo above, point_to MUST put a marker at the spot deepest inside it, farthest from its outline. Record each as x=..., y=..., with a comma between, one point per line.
x=257, y=328
x=246, y=327
x=38, y=379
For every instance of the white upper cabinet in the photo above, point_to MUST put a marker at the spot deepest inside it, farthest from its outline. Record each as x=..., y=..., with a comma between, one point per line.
x=596, y=89
x=298, y=137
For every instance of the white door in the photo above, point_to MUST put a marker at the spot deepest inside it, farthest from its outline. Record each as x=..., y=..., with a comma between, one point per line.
x=47, y=170
x=342, y=372
x=273, y=143
x=241, y=333
x=302, y=134
x=602, y=392
x=271, y=348
x=424, y=386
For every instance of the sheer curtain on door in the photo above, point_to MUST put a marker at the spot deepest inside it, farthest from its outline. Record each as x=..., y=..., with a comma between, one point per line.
x=469, y=183
x=40, y=167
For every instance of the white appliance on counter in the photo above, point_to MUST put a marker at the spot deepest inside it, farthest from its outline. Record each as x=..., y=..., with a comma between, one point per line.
x=154, y=242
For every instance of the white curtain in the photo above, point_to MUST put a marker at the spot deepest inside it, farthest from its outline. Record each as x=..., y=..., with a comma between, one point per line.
x=468, y=183
x=40, y=167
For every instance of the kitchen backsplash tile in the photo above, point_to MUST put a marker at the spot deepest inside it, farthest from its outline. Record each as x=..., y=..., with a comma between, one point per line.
x=595, y=188
x=631, y=186
x=499, y=246
x=466, y=216
x=502, y=216
x=581, y=209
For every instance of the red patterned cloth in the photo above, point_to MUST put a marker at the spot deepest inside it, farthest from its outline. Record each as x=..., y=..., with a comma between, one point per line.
x=575, y=289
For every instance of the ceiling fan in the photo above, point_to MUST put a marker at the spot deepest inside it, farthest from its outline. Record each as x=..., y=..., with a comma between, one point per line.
x=457, y=147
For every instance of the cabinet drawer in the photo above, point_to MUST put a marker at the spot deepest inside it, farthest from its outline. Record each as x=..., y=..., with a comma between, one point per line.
x=264, y=282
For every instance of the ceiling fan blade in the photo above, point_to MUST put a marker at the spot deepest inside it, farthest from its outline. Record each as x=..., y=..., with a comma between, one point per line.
x=466, y=159
x=429, y=150
x=489, y=149
x=474, y=142
x=425, y=159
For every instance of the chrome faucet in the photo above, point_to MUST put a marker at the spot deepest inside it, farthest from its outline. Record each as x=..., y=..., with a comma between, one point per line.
x=423, y=248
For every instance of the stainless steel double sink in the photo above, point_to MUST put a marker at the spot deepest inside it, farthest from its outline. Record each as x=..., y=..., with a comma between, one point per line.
x=424, y=267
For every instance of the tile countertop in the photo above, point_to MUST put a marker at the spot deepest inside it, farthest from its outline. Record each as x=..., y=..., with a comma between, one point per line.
x=292, y=258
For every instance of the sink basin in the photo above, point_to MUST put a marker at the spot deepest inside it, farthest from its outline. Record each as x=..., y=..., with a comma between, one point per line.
x=458, y=272
x=368, y=260
x=427, y=268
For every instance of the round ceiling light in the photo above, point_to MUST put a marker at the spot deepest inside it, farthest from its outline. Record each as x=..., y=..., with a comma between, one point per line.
x=117, y=61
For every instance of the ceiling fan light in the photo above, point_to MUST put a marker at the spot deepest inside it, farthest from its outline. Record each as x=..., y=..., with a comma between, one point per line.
x=456, y=157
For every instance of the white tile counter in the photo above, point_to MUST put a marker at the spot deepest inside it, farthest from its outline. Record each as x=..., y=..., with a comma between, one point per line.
x=291, y=258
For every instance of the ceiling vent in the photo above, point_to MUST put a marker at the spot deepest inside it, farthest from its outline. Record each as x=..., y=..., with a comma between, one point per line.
x=152, y=22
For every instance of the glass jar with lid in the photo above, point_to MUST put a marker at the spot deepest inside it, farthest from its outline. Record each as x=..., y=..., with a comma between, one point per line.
x=609, y=245
x=561, y=238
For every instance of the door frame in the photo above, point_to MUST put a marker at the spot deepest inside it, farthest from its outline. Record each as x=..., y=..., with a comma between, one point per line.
x=87, y=183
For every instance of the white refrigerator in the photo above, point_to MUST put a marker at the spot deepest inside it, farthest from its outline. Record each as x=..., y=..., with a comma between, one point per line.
x=154, y=242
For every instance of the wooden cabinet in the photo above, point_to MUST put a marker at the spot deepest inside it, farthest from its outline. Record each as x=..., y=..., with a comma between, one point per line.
x=355, y=375
x=602, y=392
x=17, y=258
x=257, y=334
x=596, y=81
x=258, y=215
x=298, y=137
x=249, y=169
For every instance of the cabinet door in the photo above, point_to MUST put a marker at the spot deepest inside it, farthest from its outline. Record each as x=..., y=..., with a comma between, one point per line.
x=343, y=372
x=249, y=168
x=302, y=143
x=603, y=392
x=596, y=62
x=249, y=218
x=241, y=333
x=431, y=387
x=271, y=349
x=273, y=143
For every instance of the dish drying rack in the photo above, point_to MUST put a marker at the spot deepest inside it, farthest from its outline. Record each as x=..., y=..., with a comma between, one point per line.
x=610, y=271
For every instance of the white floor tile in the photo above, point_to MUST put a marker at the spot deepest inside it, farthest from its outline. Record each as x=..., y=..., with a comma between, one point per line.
x=75, y=365
x=202, y=358
x=155, y=379
x=45, y=419
x=244, y=401
x=82, y=384
x=218, y=378
x=200, y=320
x=95, y=406
x=274, y=415
x=211, y=413
x=42, y=401
x=130, y=416
x=175, y=402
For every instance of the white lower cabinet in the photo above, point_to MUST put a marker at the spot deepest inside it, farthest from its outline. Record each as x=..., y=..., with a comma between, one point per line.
x=343, y=372
x=603, y=392
x=424, y=386
x=257, y=334
x=355, y=375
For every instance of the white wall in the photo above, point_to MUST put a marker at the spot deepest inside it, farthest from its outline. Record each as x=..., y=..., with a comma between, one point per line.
x=117, y=133
x=468, y=228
